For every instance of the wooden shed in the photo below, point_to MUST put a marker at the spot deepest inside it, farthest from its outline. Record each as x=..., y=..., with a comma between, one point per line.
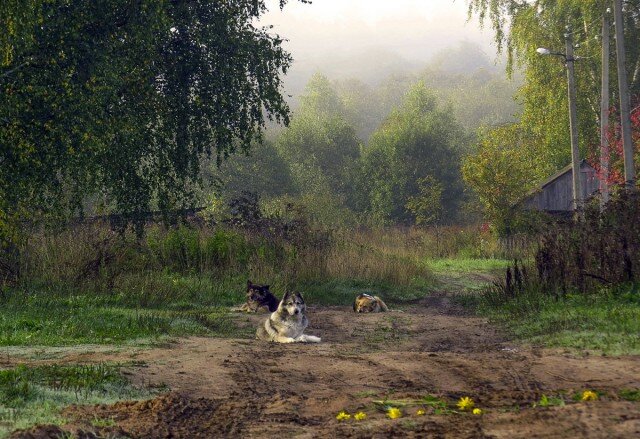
x=555, y=195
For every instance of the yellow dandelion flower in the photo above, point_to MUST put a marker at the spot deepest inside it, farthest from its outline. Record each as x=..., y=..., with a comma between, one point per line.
x=477, y=411
x=465, y=403
x=343, y=416
x=394, y=413
x=421, y=412
x=360, y=416
x=588, y=395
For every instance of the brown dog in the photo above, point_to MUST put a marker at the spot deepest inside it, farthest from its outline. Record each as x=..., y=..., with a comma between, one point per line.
x=367, y=303
x=258, y=296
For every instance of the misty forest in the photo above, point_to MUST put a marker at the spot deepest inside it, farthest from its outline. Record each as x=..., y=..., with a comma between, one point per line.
x=442, y=195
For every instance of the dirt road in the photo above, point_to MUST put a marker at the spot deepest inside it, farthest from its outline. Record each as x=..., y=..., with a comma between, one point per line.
x=250, y=389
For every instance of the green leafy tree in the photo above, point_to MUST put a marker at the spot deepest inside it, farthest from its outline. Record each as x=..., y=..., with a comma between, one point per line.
x=419, y=140
x=121, y=99
x=426, y=206
x=262, y=171
x=320, y=146
x=501, y=171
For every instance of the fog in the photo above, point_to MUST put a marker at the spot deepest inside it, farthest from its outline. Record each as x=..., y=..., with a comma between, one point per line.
x=371, y=39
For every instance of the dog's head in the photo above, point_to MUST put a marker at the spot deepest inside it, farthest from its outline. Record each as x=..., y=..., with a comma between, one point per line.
x=292, y=304
x=367, y=303
x=258, y=295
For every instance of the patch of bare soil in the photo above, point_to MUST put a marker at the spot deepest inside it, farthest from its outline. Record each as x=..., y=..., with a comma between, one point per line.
x=253, y=389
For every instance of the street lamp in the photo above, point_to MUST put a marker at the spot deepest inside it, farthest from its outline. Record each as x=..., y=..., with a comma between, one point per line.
x=573, y=117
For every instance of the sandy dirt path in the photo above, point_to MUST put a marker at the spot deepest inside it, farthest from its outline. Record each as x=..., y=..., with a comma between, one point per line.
x=251, y=389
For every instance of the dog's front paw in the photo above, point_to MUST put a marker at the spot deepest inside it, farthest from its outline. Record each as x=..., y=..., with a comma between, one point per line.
x=312, y=339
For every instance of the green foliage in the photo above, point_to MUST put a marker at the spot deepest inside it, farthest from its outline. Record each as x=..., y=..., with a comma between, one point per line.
x=503, y=169
x=319, y=145
x=120, y=100
x=419, y=140
x=549, y=401
x=462, y=76
x=630, y=394
x=263, y=171
x=426, y=206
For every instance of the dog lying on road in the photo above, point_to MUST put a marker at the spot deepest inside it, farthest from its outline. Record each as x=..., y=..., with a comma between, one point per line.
x=367, y=303
x=287, y=323
x=258, y=296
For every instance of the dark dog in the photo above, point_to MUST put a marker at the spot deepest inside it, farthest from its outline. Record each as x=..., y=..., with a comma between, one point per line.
x=258, y=296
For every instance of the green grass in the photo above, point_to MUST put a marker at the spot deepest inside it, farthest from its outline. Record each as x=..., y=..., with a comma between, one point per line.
x=606, y=322
x=30, y=396
x=630, y=395
x=464, y=274
x=48, y=319
x=467, y=265
x=549, y=401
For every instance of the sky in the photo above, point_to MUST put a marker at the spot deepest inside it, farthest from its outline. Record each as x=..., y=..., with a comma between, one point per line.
x=411, y=29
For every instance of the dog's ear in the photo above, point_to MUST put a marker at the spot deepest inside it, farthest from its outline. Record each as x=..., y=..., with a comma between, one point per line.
x=299, y=295
x=286, y=296
x=266, y=287
x=249, y=284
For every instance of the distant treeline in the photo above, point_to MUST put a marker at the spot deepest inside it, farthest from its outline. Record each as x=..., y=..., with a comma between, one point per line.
x=392, y=153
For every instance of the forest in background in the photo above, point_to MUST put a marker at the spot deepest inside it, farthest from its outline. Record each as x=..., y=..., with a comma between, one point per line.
x=382, y=149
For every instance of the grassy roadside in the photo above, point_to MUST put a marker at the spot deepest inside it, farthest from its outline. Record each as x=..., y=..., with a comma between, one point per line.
x=36, y=395
x=606, y=322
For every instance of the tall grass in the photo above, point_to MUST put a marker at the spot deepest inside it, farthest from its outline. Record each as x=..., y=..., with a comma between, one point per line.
x=175, y=262
x=93, y=258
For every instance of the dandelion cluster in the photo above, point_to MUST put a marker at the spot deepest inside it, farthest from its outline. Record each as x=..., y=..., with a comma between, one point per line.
x=343, y=416
x=421, y=412
x=589, y=395
x=477, y=411
x=465, y=403
x=360, y=416
x=394, y=413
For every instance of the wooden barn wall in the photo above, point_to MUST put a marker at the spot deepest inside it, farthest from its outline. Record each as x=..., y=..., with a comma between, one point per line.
x=558, y=195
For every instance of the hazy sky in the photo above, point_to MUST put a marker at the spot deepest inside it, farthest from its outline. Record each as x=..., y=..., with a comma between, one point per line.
x=413, y=29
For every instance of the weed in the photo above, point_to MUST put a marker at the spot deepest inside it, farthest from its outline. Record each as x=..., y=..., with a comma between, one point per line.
x=630, y=394
x=103, y=422
x=549, y=401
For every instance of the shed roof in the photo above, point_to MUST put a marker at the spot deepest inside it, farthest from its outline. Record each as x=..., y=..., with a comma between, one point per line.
x=558, y=174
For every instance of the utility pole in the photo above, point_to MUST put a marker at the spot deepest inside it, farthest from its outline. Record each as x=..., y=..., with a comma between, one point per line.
x=573, y=124
x=604, y=113
x=625, y=114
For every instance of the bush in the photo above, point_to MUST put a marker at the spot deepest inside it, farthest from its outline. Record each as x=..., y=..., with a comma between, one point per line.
x=601, y=249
